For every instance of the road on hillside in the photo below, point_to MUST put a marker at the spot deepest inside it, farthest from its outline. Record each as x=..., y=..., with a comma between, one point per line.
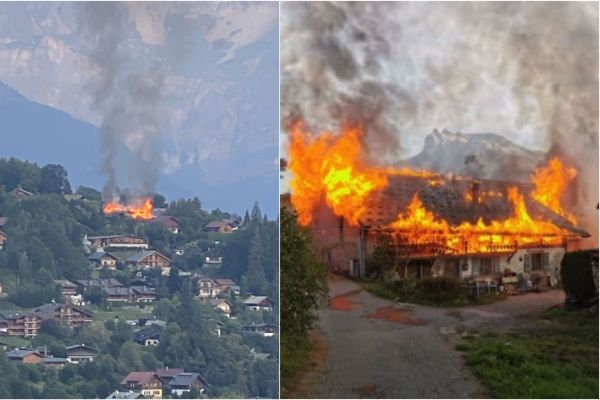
x=380, y=349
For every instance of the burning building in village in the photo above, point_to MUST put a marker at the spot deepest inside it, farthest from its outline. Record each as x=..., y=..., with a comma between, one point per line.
x=436, y=225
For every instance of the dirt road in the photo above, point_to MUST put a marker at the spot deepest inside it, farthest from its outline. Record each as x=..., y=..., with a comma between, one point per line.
x=381, y=349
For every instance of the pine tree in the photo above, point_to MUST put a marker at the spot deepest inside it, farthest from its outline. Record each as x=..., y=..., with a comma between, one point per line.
x=257, y=282
x=246, y=218
x=256, y=214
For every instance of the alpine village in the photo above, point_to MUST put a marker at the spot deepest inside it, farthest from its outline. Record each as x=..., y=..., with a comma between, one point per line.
x=168, y=301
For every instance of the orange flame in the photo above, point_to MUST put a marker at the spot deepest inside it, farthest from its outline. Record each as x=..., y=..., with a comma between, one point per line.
x=418, y=225
x=550, y=183
x=141, y=211
x=331, y=165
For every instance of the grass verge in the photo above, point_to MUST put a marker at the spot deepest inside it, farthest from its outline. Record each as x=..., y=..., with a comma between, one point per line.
x=298, y=358
x=556, y=359
x=378, y=289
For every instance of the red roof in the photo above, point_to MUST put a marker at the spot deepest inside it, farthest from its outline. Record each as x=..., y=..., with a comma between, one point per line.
x=139, y=377
x=168, y=372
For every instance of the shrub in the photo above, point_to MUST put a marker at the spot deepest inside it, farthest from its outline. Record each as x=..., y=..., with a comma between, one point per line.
x=440, y=289
x=578, y=278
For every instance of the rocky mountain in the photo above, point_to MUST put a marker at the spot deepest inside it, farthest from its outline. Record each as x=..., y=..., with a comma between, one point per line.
x=480, y=155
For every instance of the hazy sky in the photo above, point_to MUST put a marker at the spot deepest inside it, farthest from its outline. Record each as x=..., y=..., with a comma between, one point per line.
x=186, y=93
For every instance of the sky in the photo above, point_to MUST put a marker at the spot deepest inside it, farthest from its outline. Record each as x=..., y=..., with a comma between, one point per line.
x=184, y=96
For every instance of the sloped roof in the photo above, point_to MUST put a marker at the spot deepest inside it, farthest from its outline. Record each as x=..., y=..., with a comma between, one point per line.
x=46, y=311
x=215, y=224
x=21, y=353
x=144, y=253
x=89, y=349
x=140, y=377
x=64, y=283
x=168, y=372
x=256, y=300
x=99, y=254
x=186, y=379
x=132, y=394
x=447, y=201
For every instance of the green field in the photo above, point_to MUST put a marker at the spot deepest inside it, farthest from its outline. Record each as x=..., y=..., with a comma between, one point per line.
x=121, y=313
x=556, y=359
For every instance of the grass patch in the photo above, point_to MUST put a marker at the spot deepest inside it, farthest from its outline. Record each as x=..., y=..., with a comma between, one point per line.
x=557, y=360
x=121, y=313
x=456, y=298
x=14, y=342
x=298, y=357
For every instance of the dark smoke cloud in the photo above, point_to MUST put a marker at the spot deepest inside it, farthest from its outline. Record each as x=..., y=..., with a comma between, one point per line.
x=127, y=94
x=528, y=71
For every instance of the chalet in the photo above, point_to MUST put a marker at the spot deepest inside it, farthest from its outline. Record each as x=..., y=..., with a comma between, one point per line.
x=20, y=193
x=102, y=259
x=259, y=303
x=54, y=362
x=225, y=284
x=130, y=394
x=208, y=288
x=147, y=336
x=146, y=382
x=24, y=356
x=213, y=260
x=80, y=353
x=218, y=327
x=265, y=330
x=3, y=238
x=133, y=294
x=85, y=284
x=166, y=374
x=150, y=259
x=28, y=324
x=220, y=226
x=221, y=305
x=23, y=325
x=345, y=247
x=69, y=292
x=185, y=382
x=116, y=242
x=73, y=316
x=169, y=222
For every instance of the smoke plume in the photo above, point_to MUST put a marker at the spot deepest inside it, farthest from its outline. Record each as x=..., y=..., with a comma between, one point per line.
x=127, y=94
x=528, y=71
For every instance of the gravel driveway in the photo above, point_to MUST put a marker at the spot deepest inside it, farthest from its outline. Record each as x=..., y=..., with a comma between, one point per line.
x=380, y=349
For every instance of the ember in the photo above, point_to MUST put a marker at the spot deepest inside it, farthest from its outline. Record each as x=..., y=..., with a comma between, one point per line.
x=142, y=210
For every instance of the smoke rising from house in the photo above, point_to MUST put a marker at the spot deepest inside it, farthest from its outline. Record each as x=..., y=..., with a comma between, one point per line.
x=528, y=71
x=127, y=94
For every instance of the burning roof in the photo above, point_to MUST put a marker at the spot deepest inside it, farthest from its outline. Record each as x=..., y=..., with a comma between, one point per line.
x=452, y=200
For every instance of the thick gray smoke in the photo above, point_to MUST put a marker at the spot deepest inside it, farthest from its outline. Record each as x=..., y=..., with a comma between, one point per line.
x=127, y=94
x=528, y=71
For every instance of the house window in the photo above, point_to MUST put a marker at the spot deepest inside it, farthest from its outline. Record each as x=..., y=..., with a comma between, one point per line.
x=536, y=261
x=485, y=266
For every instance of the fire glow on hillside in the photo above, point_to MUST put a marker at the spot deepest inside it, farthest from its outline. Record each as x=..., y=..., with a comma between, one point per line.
x=332, y=167
x=142, y=210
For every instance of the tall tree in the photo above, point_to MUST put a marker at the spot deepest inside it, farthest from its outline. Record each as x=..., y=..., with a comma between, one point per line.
x=54, y=180
x=257, y=281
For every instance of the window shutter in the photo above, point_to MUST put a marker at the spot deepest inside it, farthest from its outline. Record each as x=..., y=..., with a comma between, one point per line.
x=545, y=260
x=527, y=262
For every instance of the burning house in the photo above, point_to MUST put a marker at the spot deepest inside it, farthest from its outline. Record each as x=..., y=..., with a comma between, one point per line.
x=434, y=225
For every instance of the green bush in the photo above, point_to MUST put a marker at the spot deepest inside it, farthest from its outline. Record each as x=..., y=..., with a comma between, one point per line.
x=429, y=290
x=440, y=289
x=578, y=278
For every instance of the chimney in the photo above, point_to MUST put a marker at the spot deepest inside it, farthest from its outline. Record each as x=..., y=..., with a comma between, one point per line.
x=475, y=191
